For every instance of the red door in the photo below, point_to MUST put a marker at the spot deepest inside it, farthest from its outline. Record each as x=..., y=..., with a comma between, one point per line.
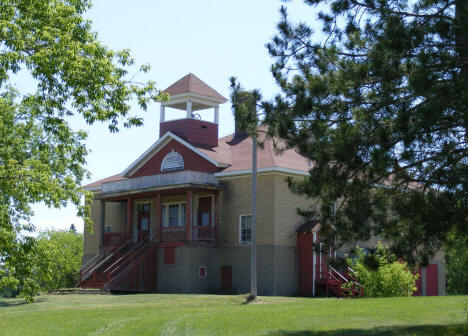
x=305, y=252
x=143, y=221
x=226, y=277
x=431, y=280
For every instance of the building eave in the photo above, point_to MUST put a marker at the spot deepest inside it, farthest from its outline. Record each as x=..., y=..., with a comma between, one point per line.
x=287, y=171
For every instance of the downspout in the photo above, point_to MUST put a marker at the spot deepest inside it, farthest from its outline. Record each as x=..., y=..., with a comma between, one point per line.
x=313, y=263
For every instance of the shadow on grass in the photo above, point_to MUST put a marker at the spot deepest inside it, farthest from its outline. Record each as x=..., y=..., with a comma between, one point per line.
x=17, y=302
x=451, y=330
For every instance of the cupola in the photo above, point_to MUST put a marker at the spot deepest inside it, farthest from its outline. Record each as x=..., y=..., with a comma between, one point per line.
x=191, y=94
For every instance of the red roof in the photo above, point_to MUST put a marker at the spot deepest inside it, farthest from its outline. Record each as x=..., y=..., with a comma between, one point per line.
x=236, y=152
x=112, y=178
x=193, y=84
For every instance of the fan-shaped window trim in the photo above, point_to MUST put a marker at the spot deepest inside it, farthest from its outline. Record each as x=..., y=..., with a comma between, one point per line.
x=172, y=161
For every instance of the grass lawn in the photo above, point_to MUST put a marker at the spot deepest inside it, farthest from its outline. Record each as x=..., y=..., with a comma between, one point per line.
x=158, y=314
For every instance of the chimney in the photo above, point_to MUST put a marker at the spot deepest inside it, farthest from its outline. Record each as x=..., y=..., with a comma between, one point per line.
x=191, y=94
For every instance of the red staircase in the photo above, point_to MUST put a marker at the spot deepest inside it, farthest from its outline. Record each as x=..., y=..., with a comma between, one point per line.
x=338, y=284
x=111, y=268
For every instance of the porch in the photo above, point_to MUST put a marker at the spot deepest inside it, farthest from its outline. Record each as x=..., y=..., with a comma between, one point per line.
x=171, y=215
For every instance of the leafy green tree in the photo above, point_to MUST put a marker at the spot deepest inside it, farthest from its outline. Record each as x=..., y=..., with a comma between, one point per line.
x=41, y=158
x=456, y=258
x=61, y=251
x=381, y=274
x=379, y=102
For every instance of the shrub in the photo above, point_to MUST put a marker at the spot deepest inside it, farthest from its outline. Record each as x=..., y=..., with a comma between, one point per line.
x=381, y=274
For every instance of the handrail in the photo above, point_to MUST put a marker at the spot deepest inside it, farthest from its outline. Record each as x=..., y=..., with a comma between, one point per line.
x=86, y=274
x=128, y=260
x=115, y=281
x=353, y=278
x=338, y=273
x=123, y=257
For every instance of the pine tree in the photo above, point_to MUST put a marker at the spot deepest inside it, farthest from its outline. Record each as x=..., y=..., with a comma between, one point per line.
x=381, y=107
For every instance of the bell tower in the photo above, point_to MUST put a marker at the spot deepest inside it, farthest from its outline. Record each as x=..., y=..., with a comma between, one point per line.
x=191, y=94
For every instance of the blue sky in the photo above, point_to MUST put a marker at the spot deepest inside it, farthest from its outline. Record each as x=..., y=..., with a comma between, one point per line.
x=211, y=38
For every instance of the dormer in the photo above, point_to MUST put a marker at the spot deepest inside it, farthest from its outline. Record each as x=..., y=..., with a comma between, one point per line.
x=191, y=94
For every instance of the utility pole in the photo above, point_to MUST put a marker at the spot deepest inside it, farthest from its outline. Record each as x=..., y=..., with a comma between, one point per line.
x=253, y=224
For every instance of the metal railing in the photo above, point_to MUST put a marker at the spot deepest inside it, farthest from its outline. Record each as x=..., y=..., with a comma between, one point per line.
x=204, y=233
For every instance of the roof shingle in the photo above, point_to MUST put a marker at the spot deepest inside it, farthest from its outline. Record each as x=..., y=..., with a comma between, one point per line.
x=192, y=84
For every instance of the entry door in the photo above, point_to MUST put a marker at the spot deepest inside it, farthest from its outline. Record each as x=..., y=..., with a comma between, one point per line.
x=431, y=280
x=226, y=277
x=143, y=221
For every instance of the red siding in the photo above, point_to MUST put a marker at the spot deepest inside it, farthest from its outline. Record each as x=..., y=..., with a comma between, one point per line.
x=194, y=131
x=305, y=263
x=431, y=280
x=192, y=161
x=169, y=255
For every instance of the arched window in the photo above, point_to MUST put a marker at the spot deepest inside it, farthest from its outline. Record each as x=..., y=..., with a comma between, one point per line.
x=172, y=161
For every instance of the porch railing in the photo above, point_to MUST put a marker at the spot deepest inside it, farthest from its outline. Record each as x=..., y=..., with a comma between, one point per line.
x=177, y=233
x=173, y=233
x=159, y=180
x=203, y=233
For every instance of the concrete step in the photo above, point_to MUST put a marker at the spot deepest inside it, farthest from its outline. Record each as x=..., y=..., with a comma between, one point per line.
x=68, y=291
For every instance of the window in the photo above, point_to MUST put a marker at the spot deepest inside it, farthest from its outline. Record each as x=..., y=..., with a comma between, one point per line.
x=244, y=228
x=202, y=272
x=173, y=214
x=108, y=228
x=172, y=161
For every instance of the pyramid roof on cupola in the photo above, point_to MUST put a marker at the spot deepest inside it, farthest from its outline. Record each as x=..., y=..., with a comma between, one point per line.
x=191, y=84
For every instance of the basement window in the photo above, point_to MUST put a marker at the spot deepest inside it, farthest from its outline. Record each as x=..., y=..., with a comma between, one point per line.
x=202, y=272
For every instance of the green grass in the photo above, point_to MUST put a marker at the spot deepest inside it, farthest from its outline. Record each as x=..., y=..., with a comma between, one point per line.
x=157, y=314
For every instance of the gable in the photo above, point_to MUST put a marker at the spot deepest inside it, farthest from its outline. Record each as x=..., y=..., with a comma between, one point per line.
x=191, y=161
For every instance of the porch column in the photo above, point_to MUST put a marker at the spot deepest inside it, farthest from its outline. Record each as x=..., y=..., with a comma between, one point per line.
x=162, y=113
x=129, y=217
x=189, y=109
x=188, y=215
x=216, y=115
x=158, y=217
x=102, y=223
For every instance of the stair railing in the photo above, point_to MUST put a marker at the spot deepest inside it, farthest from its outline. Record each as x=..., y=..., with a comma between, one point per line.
x=128, y=257
x=126, y=274
x=100, y=259
x=352, y=275
x=336, y=275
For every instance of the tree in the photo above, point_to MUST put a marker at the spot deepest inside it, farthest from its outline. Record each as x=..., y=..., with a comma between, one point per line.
x=61, y=251
x=456, y=259
x=41, y=158
x=380, y=105
x=72, y=228
x=381, y=274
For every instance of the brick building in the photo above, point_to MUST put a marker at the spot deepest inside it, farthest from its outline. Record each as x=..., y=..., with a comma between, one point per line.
x=177, y=220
